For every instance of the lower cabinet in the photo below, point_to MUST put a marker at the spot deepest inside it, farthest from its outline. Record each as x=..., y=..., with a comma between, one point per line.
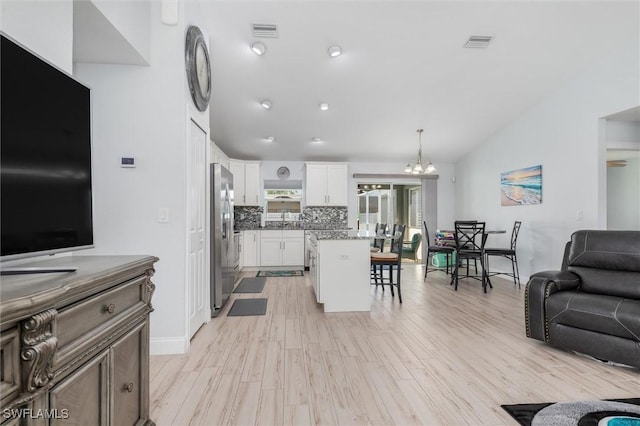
x=281, y=248
x=250, y=248
x=83, y=341
x=111, y=386
x=82, y=398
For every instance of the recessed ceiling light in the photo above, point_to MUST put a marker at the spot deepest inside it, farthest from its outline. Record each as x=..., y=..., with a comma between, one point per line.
x=270, y=139
x=266, y=104
x=324, y=107
x=258, y=48
x=316, y=140
x=335, y=51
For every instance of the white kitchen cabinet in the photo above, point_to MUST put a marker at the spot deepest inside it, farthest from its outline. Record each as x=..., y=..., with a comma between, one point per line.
x=246, y=182
x=326, y=184
x=250, y=248
x=281, y=248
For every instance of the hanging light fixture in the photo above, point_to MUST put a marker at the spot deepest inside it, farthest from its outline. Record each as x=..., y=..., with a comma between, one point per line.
x=418, y=168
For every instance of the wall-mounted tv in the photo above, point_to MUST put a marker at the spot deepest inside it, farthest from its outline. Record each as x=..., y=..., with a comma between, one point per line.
x=45, y=157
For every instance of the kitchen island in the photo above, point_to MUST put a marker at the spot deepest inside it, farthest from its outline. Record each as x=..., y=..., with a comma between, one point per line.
x=340, y=264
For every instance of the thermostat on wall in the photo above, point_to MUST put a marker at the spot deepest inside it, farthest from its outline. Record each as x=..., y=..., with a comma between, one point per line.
x=127, y=162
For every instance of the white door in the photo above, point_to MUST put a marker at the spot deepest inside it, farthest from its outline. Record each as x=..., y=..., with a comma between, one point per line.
x=293, y=251
x=316, y=193
x=252, y=184
x=237, y=170
x=270, y=252
x=337, y=177
x=196, y=265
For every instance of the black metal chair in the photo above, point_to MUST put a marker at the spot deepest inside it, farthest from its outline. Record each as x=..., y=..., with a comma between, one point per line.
x=389, y=261
x=507, y=253
x=470, y=239
x=432, y=249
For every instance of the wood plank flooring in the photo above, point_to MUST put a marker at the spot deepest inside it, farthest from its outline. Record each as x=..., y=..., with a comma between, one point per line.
x=440, y=358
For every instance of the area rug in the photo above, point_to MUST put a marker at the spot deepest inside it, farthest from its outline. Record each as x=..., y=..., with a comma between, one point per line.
x=280, y=274
x=248, y=307
x=610, y=412
x=251, y=285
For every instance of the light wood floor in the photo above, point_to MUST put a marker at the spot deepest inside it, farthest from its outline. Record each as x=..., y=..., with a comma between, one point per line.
x=440, y=358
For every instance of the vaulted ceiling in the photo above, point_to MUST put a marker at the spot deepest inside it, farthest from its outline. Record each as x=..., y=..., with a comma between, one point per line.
x=403, y=67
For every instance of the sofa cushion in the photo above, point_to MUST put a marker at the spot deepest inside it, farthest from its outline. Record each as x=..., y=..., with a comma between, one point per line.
x=604, y=314
x=613, y=250
x=608, y=282
x=607, y=262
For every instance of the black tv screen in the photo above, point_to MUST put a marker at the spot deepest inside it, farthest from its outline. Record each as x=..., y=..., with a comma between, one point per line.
x=45, y=156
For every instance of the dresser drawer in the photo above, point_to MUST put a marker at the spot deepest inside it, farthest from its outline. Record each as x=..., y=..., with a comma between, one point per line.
x=9, y=365
x=79, y=326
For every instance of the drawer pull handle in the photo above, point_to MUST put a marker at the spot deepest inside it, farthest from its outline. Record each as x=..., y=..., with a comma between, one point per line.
x=111, y=308
x=128, y=387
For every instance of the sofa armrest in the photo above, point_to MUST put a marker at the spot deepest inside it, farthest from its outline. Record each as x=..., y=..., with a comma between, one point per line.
x=540, y=286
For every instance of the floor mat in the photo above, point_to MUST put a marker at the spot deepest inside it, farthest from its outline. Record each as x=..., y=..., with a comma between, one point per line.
x=248, y=307
x=251, y=285
x=280, y=274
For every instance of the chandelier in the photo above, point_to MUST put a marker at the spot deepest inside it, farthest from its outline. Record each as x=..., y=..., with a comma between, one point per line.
x=418, y=168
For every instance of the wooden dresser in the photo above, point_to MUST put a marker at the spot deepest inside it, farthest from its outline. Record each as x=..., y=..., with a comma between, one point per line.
x=75, y=345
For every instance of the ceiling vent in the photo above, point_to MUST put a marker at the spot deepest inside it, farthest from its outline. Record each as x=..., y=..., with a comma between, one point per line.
x=264, y=30
x=476, y=42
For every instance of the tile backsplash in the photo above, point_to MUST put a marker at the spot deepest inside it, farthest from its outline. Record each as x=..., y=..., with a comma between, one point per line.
x=247, y=217
x=333, y=217
x=311, y=218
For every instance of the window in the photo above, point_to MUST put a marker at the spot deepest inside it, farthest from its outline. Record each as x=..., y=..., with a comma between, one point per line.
x=283, y=203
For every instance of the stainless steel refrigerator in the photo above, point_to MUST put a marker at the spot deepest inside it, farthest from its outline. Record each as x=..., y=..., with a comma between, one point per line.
x=224, y=247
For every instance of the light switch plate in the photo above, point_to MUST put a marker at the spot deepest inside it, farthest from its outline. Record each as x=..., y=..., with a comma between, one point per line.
x=163, y=215
x=129, y=162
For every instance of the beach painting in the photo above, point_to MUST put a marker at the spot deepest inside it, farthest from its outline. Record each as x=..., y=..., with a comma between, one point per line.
x=521, y=187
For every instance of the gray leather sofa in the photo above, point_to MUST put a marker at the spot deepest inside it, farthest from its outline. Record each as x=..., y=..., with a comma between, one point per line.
x=592, y=305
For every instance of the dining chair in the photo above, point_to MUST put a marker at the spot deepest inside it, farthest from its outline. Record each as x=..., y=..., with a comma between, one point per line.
x=410, y=248
x=389, y=261
x=469, y=237
x=433, y=249
x=378, y=243
x=508, y=253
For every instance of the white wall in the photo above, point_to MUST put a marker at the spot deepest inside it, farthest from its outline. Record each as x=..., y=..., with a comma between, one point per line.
x=43, y=27
x=131, y=19
x=268, y=169
x=562, y=134
x=623, y=196
x=140, y=111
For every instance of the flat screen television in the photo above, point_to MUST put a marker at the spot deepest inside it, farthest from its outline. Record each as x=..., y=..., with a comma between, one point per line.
x=45, y=157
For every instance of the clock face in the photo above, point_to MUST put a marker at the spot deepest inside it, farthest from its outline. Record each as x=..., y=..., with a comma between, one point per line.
x=198, y=68
x=202, y=69
x=283, y=172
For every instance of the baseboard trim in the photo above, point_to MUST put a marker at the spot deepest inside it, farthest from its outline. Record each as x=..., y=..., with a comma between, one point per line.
x=168, y=346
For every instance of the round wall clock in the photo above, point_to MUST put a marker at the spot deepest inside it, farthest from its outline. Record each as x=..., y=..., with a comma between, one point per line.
x=198, y=68
x=283, y=172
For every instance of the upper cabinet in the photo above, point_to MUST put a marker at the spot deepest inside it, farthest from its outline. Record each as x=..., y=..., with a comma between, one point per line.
x=326, y=184
x=246, y=182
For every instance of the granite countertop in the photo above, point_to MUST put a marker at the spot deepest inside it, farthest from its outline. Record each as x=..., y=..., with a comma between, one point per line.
x=343, y=235
x=293, y=225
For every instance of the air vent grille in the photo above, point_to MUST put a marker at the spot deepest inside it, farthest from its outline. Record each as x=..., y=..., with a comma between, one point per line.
x=264, y=30
x=478, y=42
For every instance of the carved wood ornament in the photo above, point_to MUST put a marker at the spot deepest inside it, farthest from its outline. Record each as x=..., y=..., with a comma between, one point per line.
x=38, y=347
